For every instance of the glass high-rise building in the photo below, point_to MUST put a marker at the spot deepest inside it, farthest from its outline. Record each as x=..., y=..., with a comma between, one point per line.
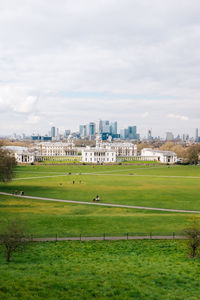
x=53, y=131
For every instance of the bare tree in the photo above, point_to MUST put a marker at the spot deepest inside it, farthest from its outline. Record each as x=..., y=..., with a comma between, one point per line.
x=7, y=163
x=192, y=234
x=13, y=238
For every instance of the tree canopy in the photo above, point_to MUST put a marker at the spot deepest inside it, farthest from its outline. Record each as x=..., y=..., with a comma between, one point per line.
x=7, y=163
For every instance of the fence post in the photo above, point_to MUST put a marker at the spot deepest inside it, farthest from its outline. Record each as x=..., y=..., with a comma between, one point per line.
x=150, y=235
x=127, y=236
x=80, y=236
x=173, y=235
x=104, y=236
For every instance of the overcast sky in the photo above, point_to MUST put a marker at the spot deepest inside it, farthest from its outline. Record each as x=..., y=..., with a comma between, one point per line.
x=70, y=62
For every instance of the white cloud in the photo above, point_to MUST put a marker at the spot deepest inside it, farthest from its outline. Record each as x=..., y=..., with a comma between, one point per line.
x=33, y=119
x=16, y=99
x=145, y=115
x=179, y=117
x=142, y=55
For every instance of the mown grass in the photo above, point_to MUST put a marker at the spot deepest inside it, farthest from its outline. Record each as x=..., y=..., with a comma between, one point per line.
x=45, y=218
x=114, y=184
x=101, y=270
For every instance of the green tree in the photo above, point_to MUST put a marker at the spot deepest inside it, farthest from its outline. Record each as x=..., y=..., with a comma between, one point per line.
x=7, y=163
x=192, y=233
x=193, y=154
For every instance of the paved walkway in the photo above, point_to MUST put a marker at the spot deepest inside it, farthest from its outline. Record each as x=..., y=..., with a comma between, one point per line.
x=109, y=238
x=104, y=204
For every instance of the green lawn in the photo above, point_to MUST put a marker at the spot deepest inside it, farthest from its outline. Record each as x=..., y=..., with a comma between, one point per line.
x=45, y=218
x=154, y=186
x=101, y=270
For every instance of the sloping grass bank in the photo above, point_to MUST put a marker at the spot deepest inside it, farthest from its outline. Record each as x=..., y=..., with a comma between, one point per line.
x=101, y=270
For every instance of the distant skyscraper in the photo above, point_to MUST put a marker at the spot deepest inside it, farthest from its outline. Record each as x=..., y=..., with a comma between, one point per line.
x=196, y=135
x=53, y=131
x=91, y=128
x=169, y=136
x=113, y=127
x=99, y=126
x=149, y=136
x=106, y=126
x=132, y=135
x=82, y=130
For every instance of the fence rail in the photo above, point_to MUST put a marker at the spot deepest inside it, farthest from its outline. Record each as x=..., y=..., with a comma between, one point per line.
x=106, y=236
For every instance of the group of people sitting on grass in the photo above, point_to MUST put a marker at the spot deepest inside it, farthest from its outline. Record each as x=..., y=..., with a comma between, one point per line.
x=96, y=199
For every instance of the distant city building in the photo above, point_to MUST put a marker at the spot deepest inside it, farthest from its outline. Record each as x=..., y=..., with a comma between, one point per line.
x=149, y=135
x=196, y=135
x=91, y=128
x=113, y=128
x=129, y=134
x=83, y=130
x=41, y=138
x=67, y=133
x=169, y=136
x=57, y=132
x=185, y=137
x=53, y=132
x=99, y=126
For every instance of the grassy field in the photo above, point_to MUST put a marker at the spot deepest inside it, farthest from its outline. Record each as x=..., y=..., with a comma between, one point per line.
x=64, y=219
x=155, y=186
x=101, y=270
x=105, y=269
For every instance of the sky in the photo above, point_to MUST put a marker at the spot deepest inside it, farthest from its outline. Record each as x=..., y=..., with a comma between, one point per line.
x=69, y=62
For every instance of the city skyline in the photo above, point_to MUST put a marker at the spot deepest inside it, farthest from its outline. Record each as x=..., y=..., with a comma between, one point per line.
x=136, y=62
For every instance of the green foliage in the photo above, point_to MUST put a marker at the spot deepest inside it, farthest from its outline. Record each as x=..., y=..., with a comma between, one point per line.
x=7, y=163
x=192, y=233
x=12, y=237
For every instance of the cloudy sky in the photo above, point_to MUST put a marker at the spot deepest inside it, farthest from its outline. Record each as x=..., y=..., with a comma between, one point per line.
x=69, y=62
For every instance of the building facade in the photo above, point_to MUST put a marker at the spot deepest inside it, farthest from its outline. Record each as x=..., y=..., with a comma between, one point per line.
x=98, y=155
x=158, y=155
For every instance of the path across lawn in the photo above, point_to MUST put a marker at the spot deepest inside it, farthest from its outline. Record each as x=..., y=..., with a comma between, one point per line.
x=103, y=204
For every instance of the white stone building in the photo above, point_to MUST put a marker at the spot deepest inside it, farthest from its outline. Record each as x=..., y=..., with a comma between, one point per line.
x=98, y=155
x=25, y=157
x=57, y=149
x=158, y=155
x=121, y=149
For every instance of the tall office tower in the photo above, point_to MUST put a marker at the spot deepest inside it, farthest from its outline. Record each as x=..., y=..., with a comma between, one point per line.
x=57, y=132
x=82, y=130
x=99, y=126
x=169, y=136
x=113, y=127
x=196, y=135
x=91, y=128
x=132, y=135
x=149, y=136
x=53, y=131
x=123, y=134
x=106, y=126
